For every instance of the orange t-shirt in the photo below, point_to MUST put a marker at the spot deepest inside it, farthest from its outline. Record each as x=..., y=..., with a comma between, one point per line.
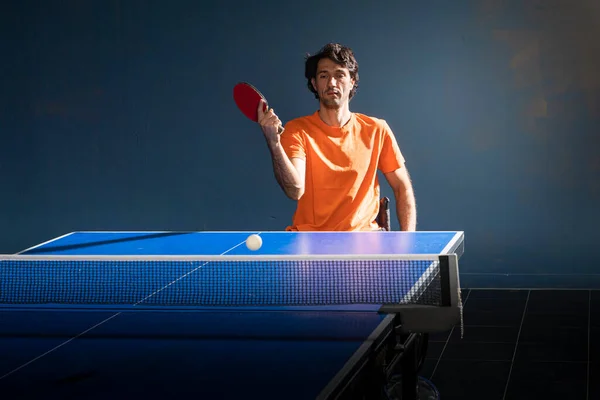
x=341, y=185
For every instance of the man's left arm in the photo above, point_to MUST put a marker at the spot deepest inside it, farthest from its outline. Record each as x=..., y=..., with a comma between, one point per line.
x=406, y=206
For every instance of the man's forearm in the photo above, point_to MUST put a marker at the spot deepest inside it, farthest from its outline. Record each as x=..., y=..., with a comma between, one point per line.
x=285, y=173
x=406, y=210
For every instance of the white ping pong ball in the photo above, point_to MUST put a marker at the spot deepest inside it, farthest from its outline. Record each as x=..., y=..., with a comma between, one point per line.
x=254, y=242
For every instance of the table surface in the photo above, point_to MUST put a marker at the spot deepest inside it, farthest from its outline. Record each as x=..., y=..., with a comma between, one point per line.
x=233, y=243
x=69, y=352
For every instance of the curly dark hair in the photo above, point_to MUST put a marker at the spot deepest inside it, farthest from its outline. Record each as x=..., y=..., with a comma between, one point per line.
x=337, y=53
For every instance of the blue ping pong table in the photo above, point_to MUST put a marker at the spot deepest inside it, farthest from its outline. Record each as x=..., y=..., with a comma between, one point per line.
x=115, y=315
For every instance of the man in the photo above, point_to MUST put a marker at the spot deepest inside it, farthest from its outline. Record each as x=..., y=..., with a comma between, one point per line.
x=328, y=161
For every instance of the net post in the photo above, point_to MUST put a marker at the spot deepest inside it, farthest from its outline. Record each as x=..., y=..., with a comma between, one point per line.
x=445, y=289
x=421, y=318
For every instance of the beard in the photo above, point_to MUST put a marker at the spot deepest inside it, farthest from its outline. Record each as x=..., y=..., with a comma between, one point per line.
x=331, y=102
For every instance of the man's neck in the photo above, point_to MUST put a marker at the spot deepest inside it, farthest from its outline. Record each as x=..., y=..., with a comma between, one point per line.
x=336, y=117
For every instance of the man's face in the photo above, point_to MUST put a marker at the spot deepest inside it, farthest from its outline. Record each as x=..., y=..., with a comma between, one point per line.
x=333, y=83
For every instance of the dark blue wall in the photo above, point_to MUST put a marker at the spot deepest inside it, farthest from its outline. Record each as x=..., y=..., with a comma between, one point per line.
x=118, y=115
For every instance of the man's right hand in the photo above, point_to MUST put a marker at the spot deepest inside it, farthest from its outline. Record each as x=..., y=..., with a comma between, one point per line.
x=269, y=123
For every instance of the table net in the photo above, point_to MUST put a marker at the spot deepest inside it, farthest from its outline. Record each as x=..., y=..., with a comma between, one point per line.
x=220, y=282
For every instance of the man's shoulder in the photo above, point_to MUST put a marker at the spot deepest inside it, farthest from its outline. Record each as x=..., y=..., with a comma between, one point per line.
x=371, y=121
x=302, y=121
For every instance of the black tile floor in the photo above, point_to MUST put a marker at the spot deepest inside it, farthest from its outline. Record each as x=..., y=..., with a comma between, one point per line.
x=520, y=344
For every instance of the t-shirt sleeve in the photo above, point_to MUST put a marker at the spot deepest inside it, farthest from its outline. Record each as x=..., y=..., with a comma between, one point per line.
x=293, y=142
x=391, y=157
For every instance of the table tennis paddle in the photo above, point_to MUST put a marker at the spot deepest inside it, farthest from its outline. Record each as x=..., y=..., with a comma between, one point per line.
x=247, y=98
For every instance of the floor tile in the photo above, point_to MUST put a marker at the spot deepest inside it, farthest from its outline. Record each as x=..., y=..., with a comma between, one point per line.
x=479, y=351
x=439, y=336
x=559, y=298
x=567, y=352
x=486, y=334
x=558, y=302
x=539, y=343
x=595, y=345
x=594, y=381
x=558, y=308
x=532, y=333
x=464, y=294
x=434, y=349
x=493, y=312
x=547, y=380
x=595, y=308
x=515, y=305
x=549, y=321
x=471, y=379
x=428, y=367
